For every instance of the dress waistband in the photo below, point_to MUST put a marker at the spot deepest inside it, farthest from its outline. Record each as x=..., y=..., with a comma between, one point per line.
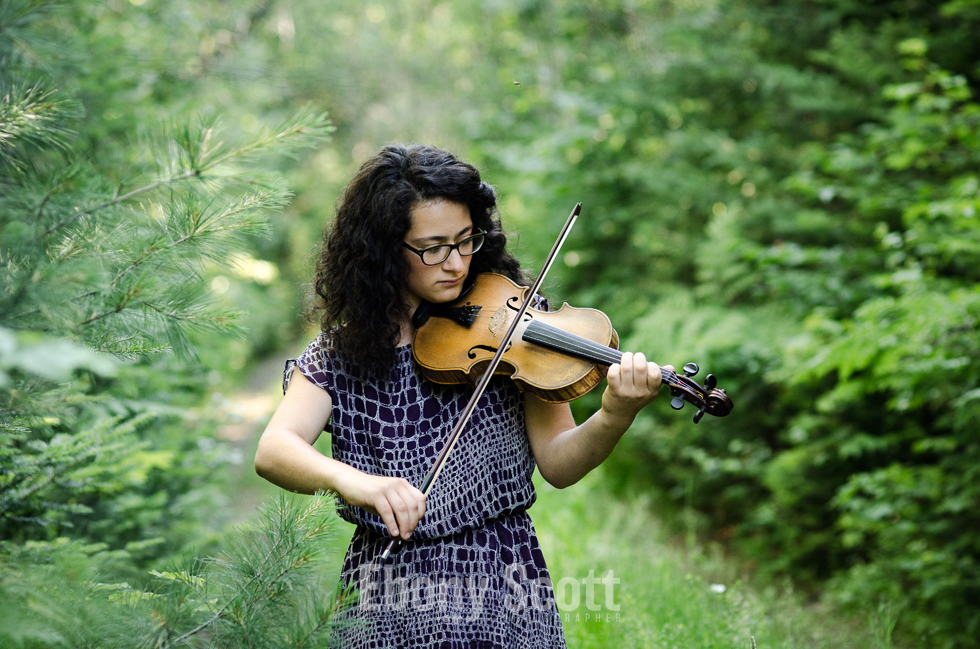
x=374, y=537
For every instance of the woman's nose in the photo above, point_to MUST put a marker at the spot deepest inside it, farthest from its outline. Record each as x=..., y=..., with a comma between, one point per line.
x=454, y=262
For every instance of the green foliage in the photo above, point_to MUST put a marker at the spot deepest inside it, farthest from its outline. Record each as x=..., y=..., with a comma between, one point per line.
x=784, y=192
x=106, y=243
x=262, y=590
x=909, y=356
x=84, y=460
x=787, y=194
x=32, y=118
x=146, y=282
x=669, y=596
x=847, y=330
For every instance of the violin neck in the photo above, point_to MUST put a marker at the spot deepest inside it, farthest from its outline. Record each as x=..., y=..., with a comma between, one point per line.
x=571, y=344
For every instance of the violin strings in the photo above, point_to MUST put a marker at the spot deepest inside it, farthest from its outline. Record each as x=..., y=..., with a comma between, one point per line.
x=571, y=342
x=584, y=346
x=566, y=341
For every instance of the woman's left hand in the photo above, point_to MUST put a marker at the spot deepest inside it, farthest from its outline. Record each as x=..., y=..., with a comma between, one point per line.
x=632, y=384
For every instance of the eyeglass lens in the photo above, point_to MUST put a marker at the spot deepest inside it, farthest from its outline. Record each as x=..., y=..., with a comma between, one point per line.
x=439, y=254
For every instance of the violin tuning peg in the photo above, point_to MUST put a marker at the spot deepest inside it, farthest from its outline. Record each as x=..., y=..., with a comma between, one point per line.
x=698, y=415
x=677, y=403
x=710, y=382
x=691, y=369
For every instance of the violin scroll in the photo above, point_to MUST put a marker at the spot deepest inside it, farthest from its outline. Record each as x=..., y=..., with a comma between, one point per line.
x=706, y=398
x=718, y=403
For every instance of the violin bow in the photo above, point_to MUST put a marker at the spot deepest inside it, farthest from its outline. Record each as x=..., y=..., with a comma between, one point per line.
x=484, y=381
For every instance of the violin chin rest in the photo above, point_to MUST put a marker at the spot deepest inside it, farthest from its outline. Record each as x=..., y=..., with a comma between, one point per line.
x=421, y=315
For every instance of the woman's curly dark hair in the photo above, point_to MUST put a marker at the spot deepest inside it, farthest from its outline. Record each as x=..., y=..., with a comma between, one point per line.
x=361, y=272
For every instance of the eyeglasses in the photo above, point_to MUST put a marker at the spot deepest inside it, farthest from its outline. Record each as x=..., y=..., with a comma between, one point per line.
x=435, y=255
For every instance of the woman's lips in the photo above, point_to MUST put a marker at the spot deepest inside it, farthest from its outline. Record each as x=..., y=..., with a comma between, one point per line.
x=449, y=283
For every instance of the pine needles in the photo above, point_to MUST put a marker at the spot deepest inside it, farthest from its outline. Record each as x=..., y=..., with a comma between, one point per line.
x=101, y=266
x=103, y=250
x=263, y=591
x=81, y=259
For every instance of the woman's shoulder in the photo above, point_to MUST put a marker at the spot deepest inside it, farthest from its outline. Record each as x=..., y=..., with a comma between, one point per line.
x=316, y=363
x=327, y=366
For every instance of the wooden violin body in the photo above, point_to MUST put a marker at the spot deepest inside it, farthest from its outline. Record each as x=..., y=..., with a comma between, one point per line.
x=457, y=344
x=556, y=355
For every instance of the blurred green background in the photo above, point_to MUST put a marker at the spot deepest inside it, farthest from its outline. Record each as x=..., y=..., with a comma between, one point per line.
x=783, y=191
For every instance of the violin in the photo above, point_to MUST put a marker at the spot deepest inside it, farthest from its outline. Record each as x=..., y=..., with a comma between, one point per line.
x=556, y=355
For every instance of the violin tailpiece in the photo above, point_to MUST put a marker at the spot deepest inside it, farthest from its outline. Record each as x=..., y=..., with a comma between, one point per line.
x=464, y=315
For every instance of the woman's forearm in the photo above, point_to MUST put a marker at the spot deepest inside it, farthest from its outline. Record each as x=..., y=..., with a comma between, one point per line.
x=568, y=456
x=564, y=452
x=286, y=459
x=289, y=461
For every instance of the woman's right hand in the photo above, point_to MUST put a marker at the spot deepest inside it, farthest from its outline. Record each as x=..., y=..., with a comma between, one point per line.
x=396, y=500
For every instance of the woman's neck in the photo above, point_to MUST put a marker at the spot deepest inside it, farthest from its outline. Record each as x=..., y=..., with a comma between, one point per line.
x=407, y=333
x=407, y=329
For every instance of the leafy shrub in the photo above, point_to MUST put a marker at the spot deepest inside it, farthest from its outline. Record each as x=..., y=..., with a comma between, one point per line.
x=771, y=192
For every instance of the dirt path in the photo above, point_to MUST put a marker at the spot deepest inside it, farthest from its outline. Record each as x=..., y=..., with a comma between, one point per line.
x=243, y=416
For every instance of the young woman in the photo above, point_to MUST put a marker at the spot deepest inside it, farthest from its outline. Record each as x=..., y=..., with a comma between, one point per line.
x=417, y=224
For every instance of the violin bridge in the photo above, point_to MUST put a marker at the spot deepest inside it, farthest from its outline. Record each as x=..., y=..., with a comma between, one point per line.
x=498, y=320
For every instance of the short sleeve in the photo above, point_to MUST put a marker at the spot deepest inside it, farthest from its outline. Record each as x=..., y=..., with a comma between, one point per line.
x=287, y=374
x=313, y=363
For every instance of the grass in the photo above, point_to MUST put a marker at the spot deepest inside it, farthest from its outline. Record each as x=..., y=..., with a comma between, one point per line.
x=670, y=596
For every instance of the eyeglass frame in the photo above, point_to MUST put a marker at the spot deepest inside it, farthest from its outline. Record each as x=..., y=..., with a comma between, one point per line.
x=451, y=246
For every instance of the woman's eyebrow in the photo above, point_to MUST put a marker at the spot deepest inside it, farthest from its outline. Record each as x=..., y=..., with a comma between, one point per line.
x=439, y=239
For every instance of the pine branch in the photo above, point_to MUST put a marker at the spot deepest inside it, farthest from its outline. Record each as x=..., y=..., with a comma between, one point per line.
x=22, y=44
x=323, y=619
x=116, y=200
x=128, y=347
x=223, y=222
x=202, y=156
x=33, y=117
x=59, y=460
x=188, y=230
x=280, y=525
x=95, y=317
x=303, y=130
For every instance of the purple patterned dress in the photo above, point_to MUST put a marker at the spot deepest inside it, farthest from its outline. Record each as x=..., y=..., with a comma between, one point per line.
x=473, y=574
